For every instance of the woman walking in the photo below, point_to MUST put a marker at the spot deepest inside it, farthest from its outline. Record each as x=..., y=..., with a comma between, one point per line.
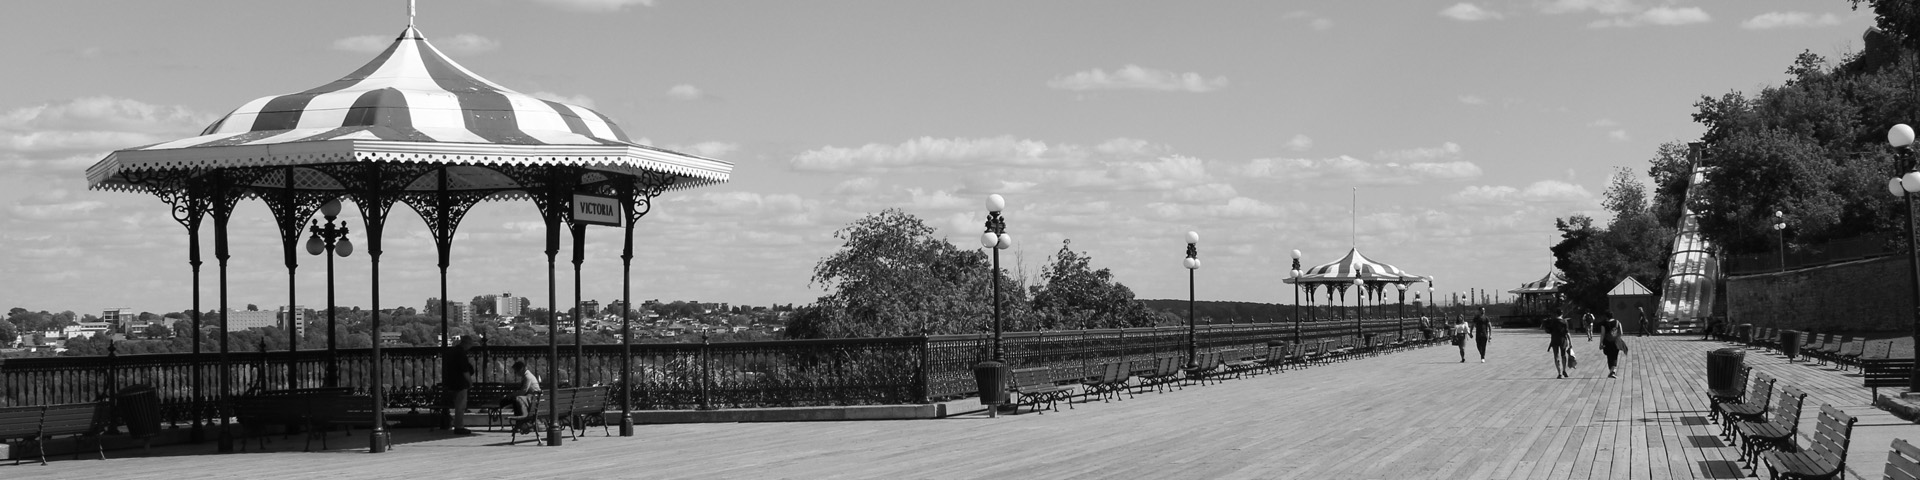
x=1559, y=339
x=1612, y=345
x=1459, y=330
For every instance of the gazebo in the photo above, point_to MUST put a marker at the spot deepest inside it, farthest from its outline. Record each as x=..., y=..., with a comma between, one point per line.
x=1538, y=297
x=409, y=127
x=1354, y=269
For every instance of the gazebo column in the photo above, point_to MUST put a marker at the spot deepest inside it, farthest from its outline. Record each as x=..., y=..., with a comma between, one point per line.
x=551, y=212
x=373, y=188
x=290, y=212
x=189, y=205
x=442, y=211
x=224, y=196
x=579, y=256
x=636, y=200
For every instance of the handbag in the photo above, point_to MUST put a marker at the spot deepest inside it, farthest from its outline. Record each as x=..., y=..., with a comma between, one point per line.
x=1572, y=361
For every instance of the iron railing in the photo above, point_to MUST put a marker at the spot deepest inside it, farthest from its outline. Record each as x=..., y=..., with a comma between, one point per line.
x=780, y=373
x=1862, y=247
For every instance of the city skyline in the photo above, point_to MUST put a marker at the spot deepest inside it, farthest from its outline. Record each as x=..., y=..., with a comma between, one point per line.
x=1466, y=127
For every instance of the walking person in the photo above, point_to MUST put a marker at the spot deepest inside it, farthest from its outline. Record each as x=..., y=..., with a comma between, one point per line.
x=1482, y=332
x=1458, y=329
x=1646, y=324
x=456, y=376
x=1592, y=326
x=1559, y=341
x=1612, y=345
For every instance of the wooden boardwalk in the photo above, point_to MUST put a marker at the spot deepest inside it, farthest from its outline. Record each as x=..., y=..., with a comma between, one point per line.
x=1414, y=414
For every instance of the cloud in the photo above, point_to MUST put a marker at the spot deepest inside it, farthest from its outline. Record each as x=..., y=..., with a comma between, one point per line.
x=464, y=43
x=1542, y=192
x=1300, y=143
x=1135, y=77
x=1661, y=16
x=706, y=149
x=363, y=43
x=94, y=124
x=1347, y=170
x=686, y=92
x=581, y=100
x=1318, y=22
x=1607, y=7
x=1618, y=135
x=954, y=153
x=1604, y=122
x=1471, y=99
x=1445, y=150
x=596, y=5
x=1771, y=20
x=1468, y=12
x=468, y=43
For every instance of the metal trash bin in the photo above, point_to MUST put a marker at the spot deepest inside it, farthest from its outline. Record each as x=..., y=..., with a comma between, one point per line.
x=1790, y=344
x=990, y=378
x=1723, y=369
x=139, y=407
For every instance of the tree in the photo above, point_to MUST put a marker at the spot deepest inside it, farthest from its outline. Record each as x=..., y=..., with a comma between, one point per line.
x=1591, y=260
x=893, y=278
x=8, y=332
x=158, y=330
x=1074, y=296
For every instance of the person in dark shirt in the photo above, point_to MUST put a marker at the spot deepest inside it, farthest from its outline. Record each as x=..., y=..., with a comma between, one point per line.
x=1559, y=341
x=456, y=376
x=1482, y=331
x=1612, y=345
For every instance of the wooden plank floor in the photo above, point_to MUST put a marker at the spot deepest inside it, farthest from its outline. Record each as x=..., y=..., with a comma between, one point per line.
x=1414, y=414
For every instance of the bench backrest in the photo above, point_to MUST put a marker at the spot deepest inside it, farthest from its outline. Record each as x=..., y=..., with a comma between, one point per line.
x=73, y=418
x=1886, y=372
x=1853, y=347
x=307, y=391
x=1786, y=409
x=1113, y=372
x=20, y=422
x=1903, y=461
x=1832, y=433
x=1030, y=376
x=1761, y=390
x=1812, y=340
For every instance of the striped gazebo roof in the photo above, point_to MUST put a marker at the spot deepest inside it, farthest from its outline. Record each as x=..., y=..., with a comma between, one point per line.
x=1545, y=284
x=410, y=104
x=1355, y=266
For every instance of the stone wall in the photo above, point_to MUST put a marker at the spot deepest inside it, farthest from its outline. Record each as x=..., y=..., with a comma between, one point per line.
x=1863, y=295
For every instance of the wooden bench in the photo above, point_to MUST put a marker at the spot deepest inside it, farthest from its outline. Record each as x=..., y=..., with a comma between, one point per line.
x=1732, y=394
x=1828, y=350
x=1777, y=430
x=1850, y=353
x=1903, y=461
x=1752, y=406
x=1110, y=381
x=581, y=407
x=534, y=405
x=1203, y=368
x=1244, y=361
x=1826, y=458
x=487, y=398
x=1035, y=386
x=37, y=424
x=1278, y=355
x=1885, y=372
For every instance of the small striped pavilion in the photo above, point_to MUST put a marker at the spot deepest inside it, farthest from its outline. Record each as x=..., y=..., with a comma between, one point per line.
x=1372, y=277
x=410, y=127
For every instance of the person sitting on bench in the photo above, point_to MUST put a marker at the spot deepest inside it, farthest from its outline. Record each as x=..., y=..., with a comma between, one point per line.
x=524, y=418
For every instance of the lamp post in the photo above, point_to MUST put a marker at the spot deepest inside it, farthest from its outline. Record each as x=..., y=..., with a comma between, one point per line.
x=1780, y=231
x=1295, y=274
x=1192, y=263
x=991, y=375
x=1401, y=324
x=1359, y=291
x=330, y=239
x=1904, y=186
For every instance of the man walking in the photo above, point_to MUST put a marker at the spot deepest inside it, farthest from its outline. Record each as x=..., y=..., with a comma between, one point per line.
x=1482, y=329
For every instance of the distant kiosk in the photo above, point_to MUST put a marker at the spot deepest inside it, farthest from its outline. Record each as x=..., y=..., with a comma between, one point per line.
x=1628, y=295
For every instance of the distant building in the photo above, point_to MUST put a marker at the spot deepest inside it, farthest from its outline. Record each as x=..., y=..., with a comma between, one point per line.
x=460, y=311
x=389, y=338
x=506, y=305
x=251, y=319
x=590, y=308
x=121, y=319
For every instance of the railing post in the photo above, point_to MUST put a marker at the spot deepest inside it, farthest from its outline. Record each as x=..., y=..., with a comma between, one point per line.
x=706, y=374
x=926, y=369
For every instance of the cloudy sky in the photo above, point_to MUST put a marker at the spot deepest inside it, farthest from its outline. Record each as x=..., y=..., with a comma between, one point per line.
x=1466, y=128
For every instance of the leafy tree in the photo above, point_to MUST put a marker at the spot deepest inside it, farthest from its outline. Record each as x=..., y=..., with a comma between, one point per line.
x=893, y=278
x=1591, y=259
x=158, y=330
x=1074, y=296
x=8, y=332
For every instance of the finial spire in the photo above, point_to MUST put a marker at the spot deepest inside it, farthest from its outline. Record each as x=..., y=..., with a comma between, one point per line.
x=410, y=12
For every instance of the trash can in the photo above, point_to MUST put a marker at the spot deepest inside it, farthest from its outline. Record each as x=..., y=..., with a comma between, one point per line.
x=1790, y=344
x=1723, y=369
x=1744, y=332
x=139, y=406
x=991, y=378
